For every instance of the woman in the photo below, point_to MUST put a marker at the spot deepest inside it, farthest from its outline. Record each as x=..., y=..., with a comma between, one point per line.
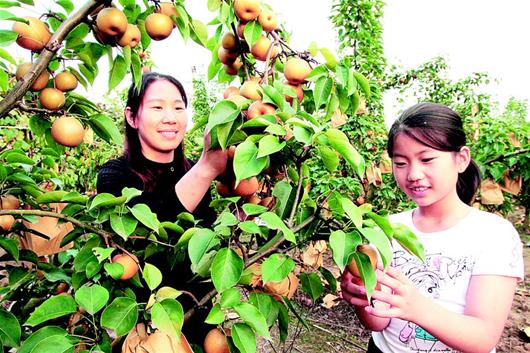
x=458, y=300
x=154, y=162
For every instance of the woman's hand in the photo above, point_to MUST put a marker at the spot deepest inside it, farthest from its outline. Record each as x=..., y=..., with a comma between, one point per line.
x=213, y=160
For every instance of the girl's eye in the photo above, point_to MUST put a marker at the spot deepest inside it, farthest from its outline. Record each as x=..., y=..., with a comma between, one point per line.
x=426, y=160
x=156, y=107
x=179, y=108
x=399, y=164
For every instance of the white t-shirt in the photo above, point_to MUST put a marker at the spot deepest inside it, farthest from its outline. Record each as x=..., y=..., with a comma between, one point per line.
x=480, y=244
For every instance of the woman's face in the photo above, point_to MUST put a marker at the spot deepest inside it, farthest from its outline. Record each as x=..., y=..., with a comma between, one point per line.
x=160, y=122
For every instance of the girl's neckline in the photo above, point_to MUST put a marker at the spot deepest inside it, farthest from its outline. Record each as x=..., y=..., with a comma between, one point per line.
x=457, y=223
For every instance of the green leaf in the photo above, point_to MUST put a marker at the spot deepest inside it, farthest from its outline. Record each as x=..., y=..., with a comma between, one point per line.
x=115, y=270
x=223, y=112
x=383, y=223
x=144, y=214
x=14, y=158
x=254, y=318
x=105, y=128
x=7, y=37
x=331, y=60
x=52, y=333
x=120, y=316
x=266, y=305
x=366, y=271
x=117, y=72
x=152, y=276
x=246, y=161
x=332, y=281
x=168, y=316
x=7, y=3
x=202, y=241
x=55, y=344
x=378, y=238
x=10, y=246
x=67, y=5
x=329, y=157
x=4, y=54
x=353, y=212
x=51, y=196
x=363, y=83
x=123, y=225
x=215, y=316
x=252, y=32
x=312, y=285
x=52, y=308
x=106, y=200
x=214, y=5
x=318, y=72
x=92, y=298
x=343, y=245
x=408, y=240
x=230, y=298
x=322, y=90
x=102, y=254
x=9, y=329
x=199, y=32
x=285, y=194
x=269, y=144
x=251, y=209
x=276, y=267
x=340, y=143
x=244, y=338
x=227, y=267
x=249, y=227
x=274, y=222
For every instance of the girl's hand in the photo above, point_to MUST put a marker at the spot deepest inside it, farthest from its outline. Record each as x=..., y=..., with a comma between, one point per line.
x=353, y=289
x=213, y=160
x=404, y=300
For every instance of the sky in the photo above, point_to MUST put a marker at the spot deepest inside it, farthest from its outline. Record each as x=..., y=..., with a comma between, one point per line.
x=474, y=36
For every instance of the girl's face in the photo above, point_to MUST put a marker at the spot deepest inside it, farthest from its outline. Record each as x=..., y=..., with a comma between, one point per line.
x=161, y=121
x=428, y=176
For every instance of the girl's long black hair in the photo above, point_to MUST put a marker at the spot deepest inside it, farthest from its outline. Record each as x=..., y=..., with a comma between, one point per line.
x=438, y=126
x=132, y=147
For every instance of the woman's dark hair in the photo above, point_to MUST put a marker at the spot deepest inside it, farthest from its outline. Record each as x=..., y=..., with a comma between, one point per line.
x=438, y=126
x=132, y=147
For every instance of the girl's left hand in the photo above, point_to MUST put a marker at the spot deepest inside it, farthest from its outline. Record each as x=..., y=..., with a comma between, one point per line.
x=404, y=299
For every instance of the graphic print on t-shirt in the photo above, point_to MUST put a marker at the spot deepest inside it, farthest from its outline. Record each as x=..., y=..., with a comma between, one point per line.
x=432, y=277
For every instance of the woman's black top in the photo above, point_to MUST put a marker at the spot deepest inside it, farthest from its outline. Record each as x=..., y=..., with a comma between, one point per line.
x=163, y=201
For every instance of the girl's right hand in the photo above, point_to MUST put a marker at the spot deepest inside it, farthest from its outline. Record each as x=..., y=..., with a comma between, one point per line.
x=353, y=290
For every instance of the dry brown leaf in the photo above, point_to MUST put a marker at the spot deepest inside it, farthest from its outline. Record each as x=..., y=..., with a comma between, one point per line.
x=256, y=275
x=313, y=255
x=330, y=301
x=88, y=138
x=362, y=106
x=474, y=109
x=373, y=175
x=514, y=141
x=512, y=186
x=338, y=118
x=49, y=226
x=490, y=193
x=386, y=163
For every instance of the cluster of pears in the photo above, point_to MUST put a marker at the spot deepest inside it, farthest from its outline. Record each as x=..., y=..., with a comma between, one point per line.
x=66, y=130
x=262, y=49
x=113, y=28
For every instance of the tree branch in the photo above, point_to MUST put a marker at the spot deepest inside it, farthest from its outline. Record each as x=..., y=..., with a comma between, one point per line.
x=47, y=54
x=500, y=157
x=104, y=234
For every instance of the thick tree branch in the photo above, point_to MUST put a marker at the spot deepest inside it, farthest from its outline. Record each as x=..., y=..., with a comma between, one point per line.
x=47, y=54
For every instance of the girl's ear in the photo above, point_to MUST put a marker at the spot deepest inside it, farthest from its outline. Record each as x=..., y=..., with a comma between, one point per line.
x=463, y=159
x=130, y=118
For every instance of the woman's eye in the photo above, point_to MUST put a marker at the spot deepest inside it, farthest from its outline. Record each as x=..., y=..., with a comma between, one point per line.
x=426, y=160
x=156, y=108
x=399, y=164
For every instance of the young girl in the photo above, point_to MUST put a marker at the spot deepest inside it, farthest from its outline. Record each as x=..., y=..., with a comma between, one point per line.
x=460, y=298
x=153, y=162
